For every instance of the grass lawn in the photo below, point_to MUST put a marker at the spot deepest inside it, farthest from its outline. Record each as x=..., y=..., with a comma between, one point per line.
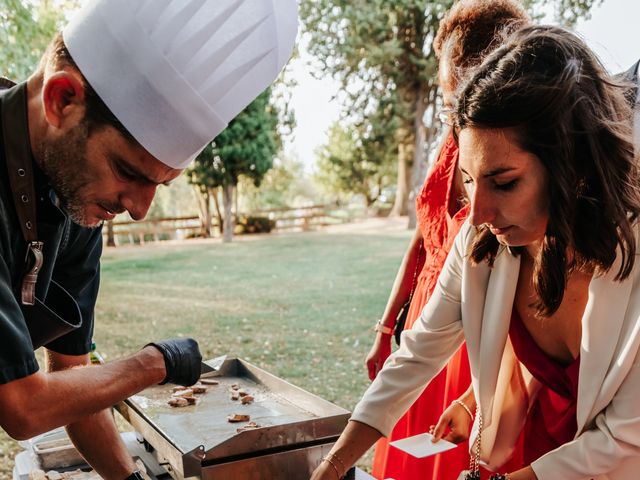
x=300, y=305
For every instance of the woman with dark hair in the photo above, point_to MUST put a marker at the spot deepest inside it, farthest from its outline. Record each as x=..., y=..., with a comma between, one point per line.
x=467, y=32
x=541, y=281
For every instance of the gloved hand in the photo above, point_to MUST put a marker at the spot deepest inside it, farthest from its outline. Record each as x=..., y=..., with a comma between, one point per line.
x=182, y=360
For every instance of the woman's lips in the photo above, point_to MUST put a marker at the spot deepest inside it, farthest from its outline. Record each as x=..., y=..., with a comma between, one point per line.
x=499, y=230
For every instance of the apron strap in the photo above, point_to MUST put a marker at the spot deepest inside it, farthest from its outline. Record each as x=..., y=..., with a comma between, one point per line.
x=13, y=107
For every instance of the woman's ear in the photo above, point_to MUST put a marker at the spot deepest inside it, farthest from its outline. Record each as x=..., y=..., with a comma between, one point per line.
x=63, y=99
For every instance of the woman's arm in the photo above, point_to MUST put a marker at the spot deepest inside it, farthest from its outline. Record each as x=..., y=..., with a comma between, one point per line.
x=425, y=349
x=356, y=439
x=399, y=295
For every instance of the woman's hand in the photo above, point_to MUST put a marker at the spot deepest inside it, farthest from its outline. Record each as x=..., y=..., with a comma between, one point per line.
x=378, y=354
x=454, y=424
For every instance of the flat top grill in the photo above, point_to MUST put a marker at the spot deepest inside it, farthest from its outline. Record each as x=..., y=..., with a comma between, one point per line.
x=288, y=416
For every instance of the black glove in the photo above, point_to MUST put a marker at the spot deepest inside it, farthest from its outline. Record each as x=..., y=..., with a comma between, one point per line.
x=182, y=360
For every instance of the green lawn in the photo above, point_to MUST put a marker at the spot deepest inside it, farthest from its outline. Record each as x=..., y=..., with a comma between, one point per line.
x=300, y=306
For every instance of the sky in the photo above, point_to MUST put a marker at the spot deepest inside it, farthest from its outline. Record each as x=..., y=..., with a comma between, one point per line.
x=612, y=32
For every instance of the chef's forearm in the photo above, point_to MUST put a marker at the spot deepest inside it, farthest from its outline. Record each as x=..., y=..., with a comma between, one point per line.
x=43, y=401
x=96, y=437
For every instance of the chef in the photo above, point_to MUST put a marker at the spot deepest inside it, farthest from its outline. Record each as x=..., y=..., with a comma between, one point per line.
x=122, y=100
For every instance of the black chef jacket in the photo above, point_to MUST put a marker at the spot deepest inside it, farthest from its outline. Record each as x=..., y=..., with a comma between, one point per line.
x=68, y=282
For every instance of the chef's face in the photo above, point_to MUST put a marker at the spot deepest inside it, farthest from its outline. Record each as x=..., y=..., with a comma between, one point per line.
x=506, y=186
x=100, y=174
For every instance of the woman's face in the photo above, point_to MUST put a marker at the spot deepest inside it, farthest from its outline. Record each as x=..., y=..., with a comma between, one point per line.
x=506, y=186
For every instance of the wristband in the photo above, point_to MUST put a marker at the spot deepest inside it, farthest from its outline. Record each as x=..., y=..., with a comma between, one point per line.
x=382, y=328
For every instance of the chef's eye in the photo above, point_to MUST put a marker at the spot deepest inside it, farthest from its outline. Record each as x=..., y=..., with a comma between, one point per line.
x=125, y=173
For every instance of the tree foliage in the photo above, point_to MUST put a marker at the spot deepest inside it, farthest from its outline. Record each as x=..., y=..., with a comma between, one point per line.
x=26, y=28
x=383, y=49
x=360, y=158
x=245, y=148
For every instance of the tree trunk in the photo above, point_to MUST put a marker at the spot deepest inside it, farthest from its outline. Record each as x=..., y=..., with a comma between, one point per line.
x=419, y=165
x=111, y=238
x=227, y=199
x=216, y=202
x=402, y=192
x=237, y=194
x=429, y=147
x=204, y=209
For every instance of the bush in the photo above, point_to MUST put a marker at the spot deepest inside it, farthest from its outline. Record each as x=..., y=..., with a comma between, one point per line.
x=248, y=224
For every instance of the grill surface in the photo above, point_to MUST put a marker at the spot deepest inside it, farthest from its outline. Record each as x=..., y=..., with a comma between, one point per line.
x=297, y=428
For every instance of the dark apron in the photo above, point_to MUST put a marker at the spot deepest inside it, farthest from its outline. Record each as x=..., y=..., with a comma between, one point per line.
x=58, y=314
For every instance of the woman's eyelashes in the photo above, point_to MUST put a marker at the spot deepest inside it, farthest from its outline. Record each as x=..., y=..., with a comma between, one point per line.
x=505, y=186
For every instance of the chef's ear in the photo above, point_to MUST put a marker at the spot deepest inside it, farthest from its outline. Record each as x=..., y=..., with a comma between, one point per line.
x=63, y=98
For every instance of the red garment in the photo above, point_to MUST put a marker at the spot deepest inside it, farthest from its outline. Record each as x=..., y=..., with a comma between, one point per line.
x=552, y=419
x=438, y=231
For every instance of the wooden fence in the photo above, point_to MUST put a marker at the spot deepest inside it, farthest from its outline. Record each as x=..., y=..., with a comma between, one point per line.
x=179, y=228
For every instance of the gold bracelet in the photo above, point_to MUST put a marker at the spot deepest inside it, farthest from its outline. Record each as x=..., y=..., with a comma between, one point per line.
x=457, y=401
x=336, y=457
x=327, y=459
x=382, y=328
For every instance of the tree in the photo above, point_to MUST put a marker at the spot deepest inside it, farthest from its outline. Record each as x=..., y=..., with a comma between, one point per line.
x=285, y=185
x=383, y=48
x=359, y=158
x=246, y=147
x=26, y=28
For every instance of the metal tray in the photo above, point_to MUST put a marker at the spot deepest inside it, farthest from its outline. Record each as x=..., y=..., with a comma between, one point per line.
x=193, y=436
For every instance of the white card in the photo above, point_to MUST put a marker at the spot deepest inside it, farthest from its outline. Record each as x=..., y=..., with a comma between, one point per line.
x=421, y=446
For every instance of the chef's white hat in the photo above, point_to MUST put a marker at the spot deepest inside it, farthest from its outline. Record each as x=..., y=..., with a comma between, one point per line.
x=175, y=72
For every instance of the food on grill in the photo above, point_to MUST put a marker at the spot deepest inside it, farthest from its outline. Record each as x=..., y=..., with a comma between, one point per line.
x=248, y=426
x=208, y=381
x=247, y=399
x=243, y=393
x=235, y=386
x=235, y=395
x=198, y=389
x=238, y=417
x=181, y=401
x=183, y=392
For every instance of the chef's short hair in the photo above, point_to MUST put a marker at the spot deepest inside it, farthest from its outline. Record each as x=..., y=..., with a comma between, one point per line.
x=97, y=114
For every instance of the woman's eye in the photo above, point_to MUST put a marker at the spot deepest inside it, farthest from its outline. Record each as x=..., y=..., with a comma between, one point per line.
x=467, y=181
x=506, y=186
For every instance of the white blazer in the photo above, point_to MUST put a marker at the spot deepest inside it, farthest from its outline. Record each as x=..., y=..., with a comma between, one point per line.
x=474, y=302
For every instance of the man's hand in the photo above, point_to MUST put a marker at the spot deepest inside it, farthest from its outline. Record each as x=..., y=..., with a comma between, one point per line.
x=182, y=360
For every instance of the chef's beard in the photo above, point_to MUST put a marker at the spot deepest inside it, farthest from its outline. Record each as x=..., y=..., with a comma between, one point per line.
x=64, y=162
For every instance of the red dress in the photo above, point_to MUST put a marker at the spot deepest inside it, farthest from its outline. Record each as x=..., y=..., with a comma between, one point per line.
x=438, y=231
x=552, y=419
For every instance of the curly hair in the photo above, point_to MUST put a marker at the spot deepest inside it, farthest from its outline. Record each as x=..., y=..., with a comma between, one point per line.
x=547, y=84
x=470, y=29
x=97, y=114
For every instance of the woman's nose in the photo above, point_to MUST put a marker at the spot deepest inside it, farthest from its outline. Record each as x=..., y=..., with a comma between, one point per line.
x=482, y=210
